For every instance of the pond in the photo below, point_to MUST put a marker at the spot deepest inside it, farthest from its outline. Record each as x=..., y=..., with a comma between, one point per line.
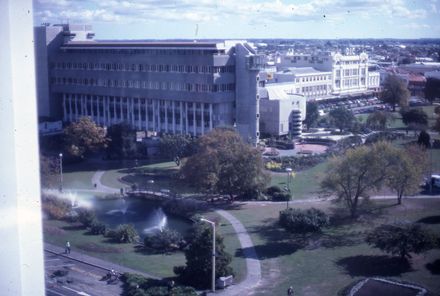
x=145, y=215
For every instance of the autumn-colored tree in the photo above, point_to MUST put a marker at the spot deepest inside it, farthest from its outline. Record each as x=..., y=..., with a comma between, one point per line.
x=84, y=136
x=225, y=164
x=395, y=92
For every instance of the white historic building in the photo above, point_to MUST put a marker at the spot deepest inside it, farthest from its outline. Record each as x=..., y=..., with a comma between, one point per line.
x=345, y=73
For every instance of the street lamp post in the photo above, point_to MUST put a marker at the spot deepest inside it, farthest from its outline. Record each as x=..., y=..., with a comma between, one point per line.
x=213, y=251
x=288, y=171
x=61, y=171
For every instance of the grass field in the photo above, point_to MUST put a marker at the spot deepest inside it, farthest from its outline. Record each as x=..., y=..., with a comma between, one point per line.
x=323, y=264
x=58, y=232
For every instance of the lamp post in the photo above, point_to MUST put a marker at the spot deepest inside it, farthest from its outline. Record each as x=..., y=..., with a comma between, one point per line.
x=61, y=171
x=213, y=251
x=288, y=171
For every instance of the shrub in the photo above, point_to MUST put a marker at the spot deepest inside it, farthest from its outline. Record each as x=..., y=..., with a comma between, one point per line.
x=86, y=216
x=184, y=207
x=97, y=227
x=137, y=285
x=273, y=189
x=55, y=208
x=165, y=240
x=281, y=196
x=303, y=221
x=401, y=239
x=124, y=233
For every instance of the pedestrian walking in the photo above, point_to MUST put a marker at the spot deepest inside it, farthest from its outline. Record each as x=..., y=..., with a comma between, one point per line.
x=290, y=291
x=67, y=247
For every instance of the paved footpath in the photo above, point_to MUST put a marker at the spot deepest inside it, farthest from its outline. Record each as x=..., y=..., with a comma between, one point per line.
x=253, y=266
x=93, y=261
x=96, y=179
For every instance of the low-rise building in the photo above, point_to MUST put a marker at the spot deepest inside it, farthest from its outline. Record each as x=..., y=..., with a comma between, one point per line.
x=281, y=111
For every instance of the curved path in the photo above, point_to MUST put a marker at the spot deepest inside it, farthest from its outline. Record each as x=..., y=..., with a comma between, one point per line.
x=253, y=266
x=96, y=179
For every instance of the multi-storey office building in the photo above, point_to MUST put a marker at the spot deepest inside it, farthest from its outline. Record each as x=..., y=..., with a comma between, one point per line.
x=169, y=87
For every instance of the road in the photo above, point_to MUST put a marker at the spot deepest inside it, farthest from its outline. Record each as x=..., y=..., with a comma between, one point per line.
x=79, y=278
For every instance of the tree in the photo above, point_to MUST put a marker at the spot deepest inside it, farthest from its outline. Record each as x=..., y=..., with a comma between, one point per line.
x=406, y=170
x=198, y=254
x=378, y=120
x=122, y=142
x=84, y=136
x=342, y=118
x=225, y=164
x=124, y=233
x=432, y=89
x=165, y=240
x=424, y=139
x=312, y=114
x=395, y=92
x=361, y=170
x=414, y=118
x=401, y=239
x=49, y=167
x=172, y=146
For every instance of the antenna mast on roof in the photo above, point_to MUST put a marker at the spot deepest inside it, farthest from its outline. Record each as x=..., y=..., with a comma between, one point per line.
x=196, y=32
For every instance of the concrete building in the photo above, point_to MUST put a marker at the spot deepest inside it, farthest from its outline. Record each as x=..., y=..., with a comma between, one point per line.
x=281, y=111
x=349, y=72
x=167, y=87
x=308, y=81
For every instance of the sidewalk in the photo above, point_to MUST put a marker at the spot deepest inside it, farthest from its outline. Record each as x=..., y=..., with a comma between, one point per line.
x=96, y=262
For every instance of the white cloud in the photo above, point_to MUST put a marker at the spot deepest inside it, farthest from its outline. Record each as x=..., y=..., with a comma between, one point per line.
x=416, y=26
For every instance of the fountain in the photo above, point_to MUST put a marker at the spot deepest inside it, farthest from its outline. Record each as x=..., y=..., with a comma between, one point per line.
x=159, y=221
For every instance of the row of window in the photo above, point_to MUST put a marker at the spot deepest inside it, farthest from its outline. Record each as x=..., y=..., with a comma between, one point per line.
x=156, y=85
x=313, y=78
x=156, y=52
x=306, y=89
x=351, y=72
x=143, y=67
x=350, y=82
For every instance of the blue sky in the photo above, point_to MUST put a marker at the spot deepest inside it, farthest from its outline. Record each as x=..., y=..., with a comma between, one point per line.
x=162, y=19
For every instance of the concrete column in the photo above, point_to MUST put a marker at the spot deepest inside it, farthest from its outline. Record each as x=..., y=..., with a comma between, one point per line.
x=104, y=109
x=146, y=114
x=154, y=114
x=76, y=107
x=186, y=118
x=181, y=116
x=203, y=117
x=159, y=125
x=115, y=115
x=174, y=116
x=133, y=124
x=166, y=115
x=70, y=108
x=92, y=104
x=127, y=104
x=210, y=116
x=64, y=108
x=139, y=114
x=194, y=104
x=98, y=111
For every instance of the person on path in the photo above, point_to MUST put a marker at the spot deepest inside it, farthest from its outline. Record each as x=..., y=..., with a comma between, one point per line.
x=290, y=291
x=67, y=247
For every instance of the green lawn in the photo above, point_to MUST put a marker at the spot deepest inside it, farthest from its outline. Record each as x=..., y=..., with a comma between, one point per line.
x=323, y=264
x=305, y=184
x=58, y=232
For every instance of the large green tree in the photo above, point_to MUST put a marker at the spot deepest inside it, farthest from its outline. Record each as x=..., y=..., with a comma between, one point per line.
x=198, y=254
x=357, y=173
x=432, y=89
x=342, y=118
x=84, y=136
x=312, y=114
x=225, y=164
x=395, y=92
x=172, y=146
x=405, y=173
x=122, y=142
x=401, y=239
x=378, y=120
x=415, y=119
